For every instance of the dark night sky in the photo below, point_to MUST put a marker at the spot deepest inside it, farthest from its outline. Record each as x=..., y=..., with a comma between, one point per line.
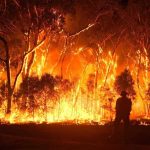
x=131, y=16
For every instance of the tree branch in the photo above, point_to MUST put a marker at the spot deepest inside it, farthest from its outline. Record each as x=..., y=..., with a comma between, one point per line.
x=24, y=56
x=19, y=72
x=95, y=22
x=37, y=46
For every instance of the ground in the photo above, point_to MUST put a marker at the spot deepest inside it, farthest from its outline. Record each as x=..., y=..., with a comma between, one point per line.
x=71, y=137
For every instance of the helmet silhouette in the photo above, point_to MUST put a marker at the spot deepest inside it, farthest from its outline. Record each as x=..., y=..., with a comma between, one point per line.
x=123, y=93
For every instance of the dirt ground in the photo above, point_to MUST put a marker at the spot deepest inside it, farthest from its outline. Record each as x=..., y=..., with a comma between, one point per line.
x=71, y=137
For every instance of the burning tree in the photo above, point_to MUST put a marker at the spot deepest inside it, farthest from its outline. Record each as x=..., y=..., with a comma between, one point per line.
x=125, y=82
x=26, y=31
x=47, y=94
x=28, y=88
x=35, y=93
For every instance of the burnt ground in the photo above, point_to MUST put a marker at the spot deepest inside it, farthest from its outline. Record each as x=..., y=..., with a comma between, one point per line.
x=71, y=137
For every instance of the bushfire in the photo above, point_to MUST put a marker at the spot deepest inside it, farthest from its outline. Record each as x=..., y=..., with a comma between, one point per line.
x=68, y=61
x=85, y=92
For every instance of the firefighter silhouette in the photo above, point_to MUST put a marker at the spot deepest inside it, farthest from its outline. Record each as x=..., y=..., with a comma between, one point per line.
x=123, y=109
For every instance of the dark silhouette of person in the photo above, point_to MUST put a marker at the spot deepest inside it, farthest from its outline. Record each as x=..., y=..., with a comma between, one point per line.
x=123, y=109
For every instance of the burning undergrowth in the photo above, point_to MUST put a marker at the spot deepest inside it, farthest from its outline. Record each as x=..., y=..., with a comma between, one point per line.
x=53, y=99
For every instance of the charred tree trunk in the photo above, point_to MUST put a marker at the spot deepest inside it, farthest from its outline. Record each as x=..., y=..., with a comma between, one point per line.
x=6, y=60
x=8, y=82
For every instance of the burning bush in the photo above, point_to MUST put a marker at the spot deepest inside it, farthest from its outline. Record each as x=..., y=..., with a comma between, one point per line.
x=125, y=82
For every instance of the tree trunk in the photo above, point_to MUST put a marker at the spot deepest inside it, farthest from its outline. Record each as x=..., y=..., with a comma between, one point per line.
x=30, y=63
x=9, y=97
x=31, y=58
x=6, y=60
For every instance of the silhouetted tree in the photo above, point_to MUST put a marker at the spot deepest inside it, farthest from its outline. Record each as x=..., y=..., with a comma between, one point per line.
x=32, y=105
x=63, y=86
x=35, y=92
x=47, y=80
x=125, y=82
x=47, y=92
x=28, y=87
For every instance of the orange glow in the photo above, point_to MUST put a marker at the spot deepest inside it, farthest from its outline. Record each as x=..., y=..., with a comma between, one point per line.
x=80, y=105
